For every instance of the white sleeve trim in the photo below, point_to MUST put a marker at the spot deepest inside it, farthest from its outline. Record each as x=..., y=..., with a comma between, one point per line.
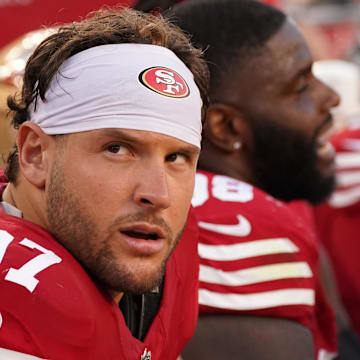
x=256, y=274
x=348, y=178
x=344, y=198
x=347, y=160
x=6, y=354
x=247, y=249
x=257, y=301
x=326, y=355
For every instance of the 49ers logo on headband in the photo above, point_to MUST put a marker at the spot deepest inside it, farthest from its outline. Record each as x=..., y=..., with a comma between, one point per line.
x=164, y=81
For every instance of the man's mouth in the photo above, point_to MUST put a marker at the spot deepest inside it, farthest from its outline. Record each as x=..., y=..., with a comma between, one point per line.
x=144, y=238
x=325, y=150
x=326, y=128
x=141, y=235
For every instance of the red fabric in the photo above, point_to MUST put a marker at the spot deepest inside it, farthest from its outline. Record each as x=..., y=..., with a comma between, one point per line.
x=66, y=316
x=217, y=203
x=339, y=222
x=18, y=17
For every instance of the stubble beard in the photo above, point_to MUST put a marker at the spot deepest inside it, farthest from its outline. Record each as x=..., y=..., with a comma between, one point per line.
x=73, y=227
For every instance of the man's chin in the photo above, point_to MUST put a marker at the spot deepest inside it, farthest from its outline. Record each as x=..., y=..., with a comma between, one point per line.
x=140, y=287
x=139, y=281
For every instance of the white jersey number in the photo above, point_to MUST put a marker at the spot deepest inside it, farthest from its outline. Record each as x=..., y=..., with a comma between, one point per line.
x=25, y=275
x=223, y=188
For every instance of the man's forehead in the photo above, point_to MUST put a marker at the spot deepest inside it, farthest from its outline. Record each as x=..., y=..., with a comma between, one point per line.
x=284, y=57
x=287, y=50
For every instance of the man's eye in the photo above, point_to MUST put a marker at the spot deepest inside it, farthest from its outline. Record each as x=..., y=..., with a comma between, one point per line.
x=117, y=149
x=302, y=88
x=177, y=158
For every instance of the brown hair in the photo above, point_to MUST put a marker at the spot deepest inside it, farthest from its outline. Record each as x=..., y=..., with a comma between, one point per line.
x=106, y=26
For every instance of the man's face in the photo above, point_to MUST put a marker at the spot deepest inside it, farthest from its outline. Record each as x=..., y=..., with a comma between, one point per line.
x=118, y=201
x=288, y=112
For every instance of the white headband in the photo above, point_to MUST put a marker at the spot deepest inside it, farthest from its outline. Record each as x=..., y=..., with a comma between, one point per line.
x=127, y=86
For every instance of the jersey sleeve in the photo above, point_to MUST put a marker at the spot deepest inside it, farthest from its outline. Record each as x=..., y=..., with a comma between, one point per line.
x=49, y=306
x=13, y=335
x=253, y=258
x=258, y=256
x=21, y=267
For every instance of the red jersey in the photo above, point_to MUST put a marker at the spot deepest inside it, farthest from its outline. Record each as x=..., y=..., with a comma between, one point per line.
x=258, y=257
x=339, y=221
x=50, y=308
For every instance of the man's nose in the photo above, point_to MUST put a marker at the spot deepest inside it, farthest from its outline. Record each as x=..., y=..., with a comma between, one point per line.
x=152, y=189
x=330, y=97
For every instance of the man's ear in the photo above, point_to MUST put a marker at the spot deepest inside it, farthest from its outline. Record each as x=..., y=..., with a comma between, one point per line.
x=225, y=127
x=33, y=145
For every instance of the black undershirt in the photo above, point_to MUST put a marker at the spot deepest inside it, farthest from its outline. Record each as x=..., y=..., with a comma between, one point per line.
x=139, y=311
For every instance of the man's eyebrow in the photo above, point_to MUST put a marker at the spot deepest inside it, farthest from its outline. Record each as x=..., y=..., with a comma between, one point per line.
x=189, y=150
x=118, y=134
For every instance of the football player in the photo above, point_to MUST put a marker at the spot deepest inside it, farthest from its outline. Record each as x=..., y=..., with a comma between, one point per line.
x=100, y=185
x=264, y=145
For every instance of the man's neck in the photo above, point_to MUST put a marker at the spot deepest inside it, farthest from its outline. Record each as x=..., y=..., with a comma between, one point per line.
x=28, y=200
x=7, y=195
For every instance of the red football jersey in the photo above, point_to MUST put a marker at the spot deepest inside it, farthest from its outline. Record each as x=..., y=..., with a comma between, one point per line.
x=339, y=221
x=50, y=308
x=258, y=257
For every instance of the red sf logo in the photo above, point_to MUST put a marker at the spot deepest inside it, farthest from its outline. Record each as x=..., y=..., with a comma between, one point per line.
x=164, y=81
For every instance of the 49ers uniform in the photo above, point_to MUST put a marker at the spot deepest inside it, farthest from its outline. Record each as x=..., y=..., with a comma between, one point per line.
x=259, y=257
x=338, y=221
x=51, y=309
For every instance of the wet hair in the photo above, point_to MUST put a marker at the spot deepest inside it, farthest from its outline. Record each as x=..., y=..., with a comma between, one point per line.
x=117, y=25
x=231, y=32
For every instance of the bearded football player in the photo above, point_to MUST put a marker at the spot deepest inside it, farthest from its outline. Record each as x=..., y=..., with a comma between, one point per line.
x=264, y=145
